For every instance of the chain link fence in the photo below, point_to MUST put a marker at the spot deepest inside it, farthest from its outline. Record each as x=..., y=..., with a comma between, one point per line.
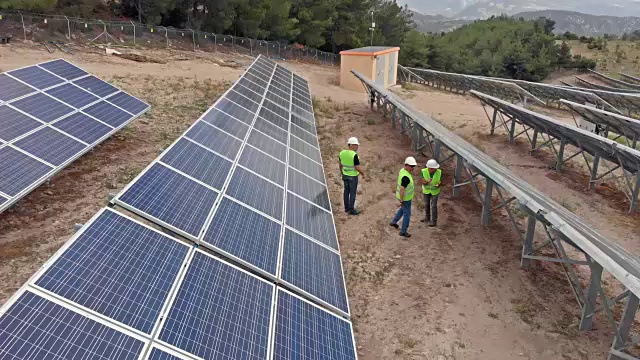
x=62, y=29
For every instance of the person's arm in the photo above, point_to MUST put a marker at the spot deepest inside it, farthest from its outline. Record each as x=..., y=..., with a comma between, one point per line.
x=340, y=165
x=403, y=186
x=437, y=182
x=356, y=165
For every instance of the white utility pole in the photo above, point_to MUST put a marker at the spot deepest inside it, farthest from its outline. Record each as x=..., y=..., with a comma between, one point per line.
x=372, y=28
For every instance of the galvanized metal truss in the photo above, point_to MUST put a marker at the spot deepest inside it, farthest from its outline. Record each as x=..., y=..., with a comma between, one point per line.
x=616, y=169
x=493, y=198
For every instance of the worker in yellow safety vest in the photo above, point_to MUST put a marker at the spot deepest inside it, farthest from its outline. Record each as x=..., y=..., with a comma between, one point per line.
x=404, y=194
x=431, y=179
x=350, y=169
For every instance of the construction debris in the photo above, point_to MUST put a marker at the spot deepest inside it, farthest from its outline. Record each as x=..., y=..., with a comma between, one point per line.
x=139, y=58
x=50, y=50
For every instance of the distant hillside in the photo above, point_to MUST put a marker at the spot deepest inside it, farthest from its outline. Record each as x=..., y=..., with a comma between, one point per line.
x=575, y=22
x=585, y=24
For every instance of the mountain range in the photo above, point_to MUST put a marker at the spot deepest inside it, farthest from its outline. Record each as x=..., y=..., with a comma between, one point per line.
x=481, y=9
x=575, y=22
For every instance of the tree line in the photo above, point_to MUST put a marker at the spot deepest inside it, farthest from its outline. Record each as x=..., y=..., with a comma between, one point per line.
x=501, y=46
x=331, y=25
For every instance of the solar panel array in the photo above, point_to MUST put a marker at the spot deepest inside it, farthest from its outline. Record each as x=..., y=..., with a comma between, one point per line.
x=593, y=85
x=51, y=114
x=121, y=289
x=631, y=78
x=615, y=82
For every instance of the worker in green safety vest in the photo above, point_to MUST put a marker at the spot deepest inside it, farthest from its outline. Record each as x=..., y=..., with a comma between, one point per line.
x=404, y=194
x=350, y=169
x=431, y=179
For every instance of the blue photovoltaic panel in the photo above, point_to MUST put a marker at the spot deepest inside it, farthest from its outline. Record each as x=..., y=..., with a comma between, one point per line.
x=83, y=127
x=3, y=200
x=307, y=167
x=157, y=354
x=220, y=312
x=171, y=198
x=14, y=123
x=118, y=268
x=108, y=113
x=309, y=189
x=304, y=135
x=314, y=269
x=246, y=235
x=37, y=328
x=274, y=119
x=43, y=107
x=11, y=88
x=96, y=86
x=18, y=171
x=303, y=124
x=262, y=164
x=214, y=139
x=256, y=192
x=227, y=123
x=305, y=149
x=128, y=103
x=235, y=110
x=242, y=101
x=254, y=94
x=306, y=332
x=50, y=145
x=63, y=69
x=311, y=220
x=198, y=162
x=268, y=145
x=72, y=95
x=36, y=77
x=267, y=127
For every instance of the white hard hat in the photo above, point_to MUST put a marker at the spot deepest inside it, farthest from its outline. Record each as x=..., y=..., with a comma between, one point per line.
x=410, y=161
x=432, y=164
x=353, y=141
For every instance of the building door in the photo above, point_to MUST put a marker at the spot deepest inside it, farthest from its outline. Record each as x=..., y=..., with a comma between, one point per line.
x=381, y=69
x=393, y=62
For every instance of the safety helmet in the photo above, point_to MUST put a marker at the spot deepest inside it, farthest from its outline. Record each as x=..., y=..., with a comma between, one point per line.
x=353, y=141
x=410, y=161
x=432, y=164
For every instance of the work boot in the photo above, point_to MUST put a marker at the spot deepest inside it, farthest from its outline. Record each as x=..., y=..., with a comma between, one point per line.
x=432, y=224
x=426, y=220
x=394, y=225
x=407, y=235
x=354, y=212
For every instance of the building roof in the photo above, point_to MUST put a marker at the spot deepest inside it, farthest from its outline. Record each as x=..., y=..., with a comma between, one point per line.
x=370, y=51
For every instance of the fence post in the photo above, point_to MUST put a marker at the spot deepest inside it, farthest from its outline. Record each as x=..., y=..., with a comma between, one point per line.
x=193, y=37
x=24, y=30
x=233, y=43
x=267, y=49
x=134, y=32
x=279, y=51
x=68, y=27
x=104, y=27
x=166, y=36
x=215, y=42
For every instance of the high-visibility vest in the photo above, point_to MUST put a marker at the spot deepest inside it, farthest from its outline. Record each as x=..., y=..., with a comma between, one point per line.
x=408, y=191
x=347, y=158
x=433, y=187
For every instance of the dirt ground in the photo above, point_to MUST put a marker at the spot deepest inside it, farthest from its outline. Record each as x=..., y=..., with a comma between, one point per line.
x=454, y=292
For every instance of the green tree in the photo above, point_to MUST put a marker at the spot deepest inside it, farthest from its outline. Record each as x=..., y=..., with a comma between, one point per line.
x=277, y=25
x=564, y=56
x=314, y=19
x=39, y=5
x=350, y=26
x=415, y=49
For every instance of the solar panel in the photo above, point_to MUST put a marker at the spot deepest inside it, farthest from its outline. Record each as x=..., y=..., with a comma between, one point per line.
x=35, y=327
x=314, y=269
x=118, y=268
x=220, y=312
x=46, y=122
x=306, y=332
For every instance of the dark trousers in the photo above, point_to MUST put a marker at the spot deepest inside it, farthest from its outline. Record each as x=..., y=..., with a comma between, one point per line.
x=431, y=207
x=350, y=190
x=405, y=213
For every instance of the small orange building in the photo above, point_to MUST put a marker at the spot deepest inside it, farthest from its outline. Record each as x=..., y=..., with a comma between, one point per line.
x=379, y=63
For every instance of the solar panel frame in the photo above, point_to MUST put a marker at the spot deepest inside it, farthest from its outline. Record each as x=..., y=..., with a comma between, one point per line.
x=32, y=283
x=37, y=182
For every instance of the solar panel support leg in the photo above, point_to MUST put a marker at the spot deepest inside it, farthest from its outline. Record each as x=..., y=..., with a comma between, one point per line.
x=457, y=177
x=624, y=327
x=560, y=156
x=594, y=172
x=437, y=151
x=487, y=202
x=534, y=139
x=493, y=121
x=393, y=117
x=634, y=193
x=586, y=320
x=512, y=131
x=527, y=247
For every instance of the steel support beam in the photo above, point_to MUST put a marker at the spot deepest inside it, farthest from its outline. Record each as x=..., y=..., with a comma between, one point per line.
x=512, y=130
x=628, y=317
x=586, y=320
x=493, y=121
x=634, y=194
x=487, y=202
x=457, y=179
x=527, y=247
x=560, y=157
